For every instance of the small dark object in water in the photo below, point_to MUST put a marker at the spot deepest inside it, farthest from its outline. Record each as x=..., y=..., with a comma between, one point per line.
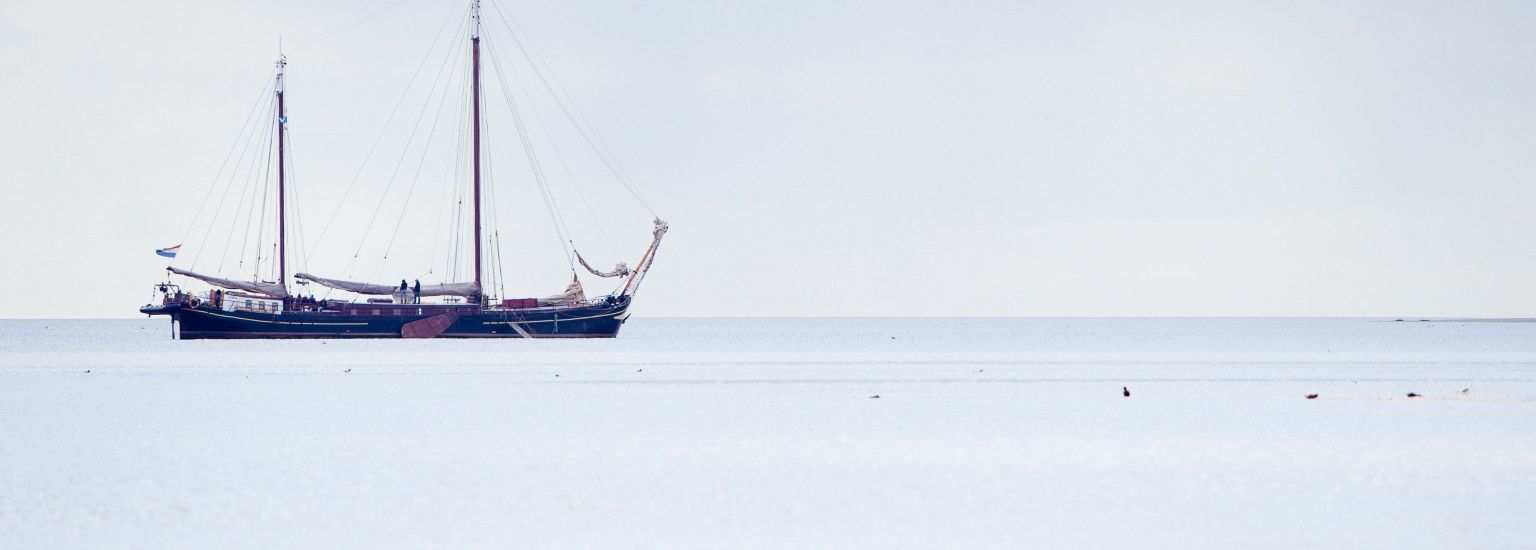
x=980, y=370
x=1311, y=396
x=875, y=396
x=1398, y=320
x=557, y=376
x=1125, y=391
x=348, y=370
x=639, y=370
x=893, y=337
x=87, y=371
x=1411, y=394
x=1464, y=391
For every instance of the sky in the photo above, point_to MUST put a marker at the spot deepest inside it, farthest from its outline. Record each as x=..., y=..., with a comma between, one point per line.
x=816, y=158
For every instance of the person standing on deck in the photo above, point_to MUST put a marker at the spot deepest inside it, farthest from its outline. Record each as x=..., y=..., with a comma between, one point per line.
x=417, y=291
x=402, y=291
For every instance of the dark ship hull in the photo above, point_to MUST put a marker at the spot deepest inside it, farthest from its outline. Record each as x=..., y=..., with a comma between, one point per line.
x=595, y=320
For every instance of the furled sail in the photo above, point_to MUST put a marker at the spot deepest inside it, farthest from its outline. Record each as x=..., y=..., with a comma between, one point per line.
x=267, y=289
x=440, y=289
x=573, y=295
x=619, y=270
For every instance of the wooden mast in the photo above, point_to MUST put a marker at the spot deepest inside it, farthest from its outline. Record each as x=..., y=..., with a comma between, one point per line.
x=282, y=211
x=475, y=98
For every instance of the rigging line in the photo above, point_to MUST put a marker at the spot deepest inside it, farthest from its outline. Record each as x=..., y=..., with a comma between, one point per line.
x=380, y=136
x=451, y=267
x=247, y=191
x=500, y=264
x=269, y=82
x=451, y=253
x=564, y=99
x=240, y=206
x=458, y=187
x=533, y=162
x=461, y=187
x=566, y=167
x=488, y=199
x=293, y=199
x=501, y=275
x=455, y=231
x=561, y=232
x=259, y=192
x=415, y=179
x=261, y=226
x=349, y=27
x=234, y=218
x=497, y=270
x=261, y=222
x=595, y=140
x=242, y=137
x=448, y=190
x=409, y=140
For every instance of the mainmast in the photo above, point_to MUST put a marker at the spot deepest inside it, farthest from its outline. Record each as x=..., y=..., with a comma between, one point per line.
x=474, y=41
x=282, y=220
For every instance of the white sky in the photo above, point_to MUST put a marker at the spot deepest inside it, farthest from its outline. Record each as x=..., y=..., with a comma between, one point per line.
x=839, y=158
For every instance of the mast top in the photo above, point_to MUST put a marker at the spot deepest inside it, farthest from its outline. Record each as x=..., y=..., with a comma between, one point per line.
x=474, y=18
x=282, y=64
x=282, y=58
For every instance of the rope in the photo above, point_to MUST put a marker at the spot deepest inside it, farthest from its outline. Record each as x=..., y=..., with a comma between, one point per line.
x=566, y=168
x=261, y=226
x=415, y=177
x=349, y=27
x=298, y=220
x=583, y=127
x=533, y=164
x=238, y=161
x=269, y=82
x=493, y=218
x=391, y=182
x=455, y=171
x=387, y=120
x=240, y=206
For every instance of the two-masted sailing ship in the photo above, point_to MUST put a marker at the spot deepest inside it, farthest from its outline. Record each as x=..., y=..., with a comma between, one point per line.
x=274, y=308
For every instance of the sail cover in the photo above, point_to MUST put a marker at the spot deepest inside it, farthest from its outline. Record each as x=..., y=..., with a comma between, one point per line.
x=466, y=290
x=619, y=270
x=573, y=295
x=267, y=289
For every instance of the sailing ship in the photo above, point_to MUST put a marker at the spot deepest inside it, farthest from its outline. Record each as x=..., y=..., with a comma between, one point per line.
x=238, y=308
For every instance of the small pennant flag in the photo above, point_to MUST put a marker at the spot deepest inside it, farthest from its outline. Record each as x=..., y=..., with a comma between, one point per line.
x=169, y=251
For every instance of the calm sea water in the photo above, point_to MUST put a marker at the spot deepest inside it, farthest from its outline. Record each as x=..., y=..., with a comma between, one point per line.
x=767, y=433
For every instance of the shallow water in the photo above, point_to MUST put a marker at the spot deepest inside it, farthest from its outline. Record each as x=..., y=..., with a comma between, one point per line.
x=763, y=433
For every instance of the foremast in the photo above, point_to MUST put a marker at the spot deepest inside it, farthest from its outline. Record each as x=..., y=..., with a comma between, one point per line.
x=282, y=210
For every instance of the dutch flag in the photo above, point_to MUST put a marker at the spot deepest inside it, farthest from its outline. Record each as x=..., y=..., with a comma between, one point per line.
x=169, y=251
